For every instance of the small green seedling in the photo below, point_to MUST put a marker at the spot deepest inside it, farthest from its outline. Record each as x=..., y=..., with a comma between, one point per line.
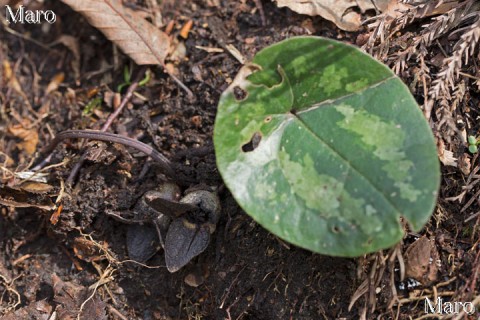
x=127, y=79
x=326, y=148
x=92, y=105
x=473, y=144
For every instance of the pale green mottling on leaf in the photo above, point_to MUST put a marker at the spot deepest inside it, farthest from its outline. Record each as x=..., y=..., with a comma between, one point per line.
x=355, y=86
x=353, y=209
x=407, y=191
x=386, y=140
x=398, y=170
x=319, y=191
x=331, y=79
x=250, y=129
x=326, y=195
x=369, y=210
x=264, y=191
x=345, y=151
x=322, y=193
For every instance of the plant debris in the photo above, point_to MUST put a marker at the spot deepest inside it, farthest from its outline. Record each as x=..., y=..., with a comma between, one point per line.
x=244, y=272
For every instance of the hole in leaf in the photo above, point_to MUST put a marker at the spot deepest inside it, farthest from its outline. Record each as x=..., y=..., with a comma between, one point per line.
x=239, y=93
x=267, y=119
x=253, y=143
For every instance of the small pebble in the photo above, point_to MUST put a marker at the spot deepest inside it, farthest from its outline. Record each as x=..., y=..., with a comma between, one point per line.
x=194, y=280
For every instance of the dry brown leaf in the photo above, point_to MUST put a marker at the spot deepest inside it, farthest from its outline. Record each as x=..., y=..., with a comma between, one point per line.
x=339, y=12
x=464, y=164
x=73, y=301
x=35, y=187
x=29, y=137
x=11, y=197
x=420, y=260
x=55, y=83
x=445, y=156
x=7, y=70
x=138, y=38
x=88, y=250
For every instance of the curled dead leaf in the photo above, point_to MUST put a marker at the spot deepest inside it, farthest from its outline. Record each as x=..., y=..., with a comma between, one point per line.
x=56, y=215
x=186, y=29
x=339, y=12
x=445, y=156
x=7, y=70
x=10, y=79
x=87, y=249
x=464, y=164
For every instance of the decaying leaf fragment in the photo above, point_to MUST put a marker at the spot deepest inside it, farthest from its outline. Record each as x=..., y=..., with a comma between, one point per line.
x=420, y=260
x=73, y=301
x=138, y=38
x=28, y=137
x=339, y=12
x=16, y=198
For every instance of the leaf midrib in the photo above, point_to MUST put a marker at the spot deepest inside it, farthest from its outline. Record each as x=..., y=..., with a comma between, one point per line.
x=328, y=102
x=344, y=159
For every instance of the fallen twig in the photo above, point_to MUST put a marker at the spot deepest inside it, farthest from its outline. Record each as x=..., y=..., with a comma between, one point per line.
x=115, y=138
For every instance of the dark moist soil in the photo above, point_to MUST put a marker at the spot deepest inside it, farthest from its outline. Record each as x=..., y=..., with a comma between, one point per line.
x=245, y=273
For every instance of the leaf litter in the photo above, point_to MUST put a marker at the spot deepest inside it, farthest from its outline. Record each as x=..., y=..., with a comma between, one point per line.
x=250, y=272
x=135, y=36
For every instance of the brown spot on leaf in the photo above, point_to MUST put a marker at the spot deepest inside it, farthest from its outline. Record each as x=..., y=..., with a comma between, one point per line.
x=239, y=93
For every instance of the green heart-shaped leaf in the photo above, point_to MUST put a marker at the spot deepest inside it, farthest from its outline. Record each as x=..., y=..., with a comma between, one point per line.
x=326, y=148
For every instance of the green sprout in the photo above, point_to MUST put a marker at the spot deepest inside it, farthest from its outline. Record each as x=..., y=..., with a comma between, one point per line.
x=127, y=79
x=473, y=144
x=92, y=105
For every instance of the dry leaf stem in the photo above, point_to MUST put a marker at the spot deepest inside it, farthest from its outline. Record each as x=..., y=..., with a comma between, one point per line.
x=128, y=95
x=115, y=138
